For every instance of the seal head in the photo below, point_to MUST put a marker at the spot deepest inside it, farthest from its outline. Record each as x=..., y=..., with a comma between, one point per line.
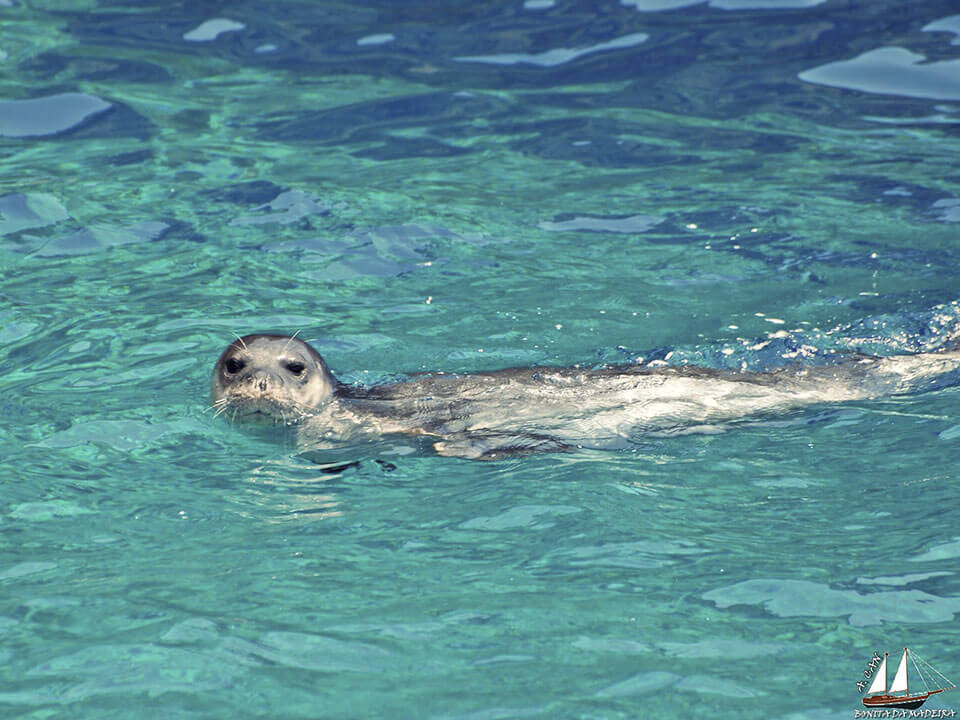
x=271, y=378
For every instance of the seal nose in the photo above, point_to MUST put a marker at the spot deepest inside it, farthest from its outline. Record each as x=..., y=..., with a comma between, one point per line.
x=265, y=380
x=260, y=381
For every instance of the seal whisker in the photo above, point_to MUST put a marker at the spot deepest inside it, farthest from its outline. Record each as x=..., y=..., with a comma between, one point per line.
x=222, y=407
x=242, y=343
x=290, y=340
x=219, y=403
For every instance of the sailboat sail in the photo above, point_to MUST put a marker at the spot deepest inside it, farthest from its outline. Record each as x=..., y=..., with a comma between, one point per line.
x=899, y=683
x=879, y=683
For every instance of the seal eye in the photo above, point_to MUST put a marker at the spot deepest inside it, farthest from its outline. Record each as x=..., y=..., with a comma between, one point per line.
x=233, y=365
x=296, y=368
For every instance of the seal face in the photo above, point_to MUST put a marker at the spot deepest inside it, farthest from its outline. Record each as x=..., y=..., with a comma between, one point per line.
x=272, y=378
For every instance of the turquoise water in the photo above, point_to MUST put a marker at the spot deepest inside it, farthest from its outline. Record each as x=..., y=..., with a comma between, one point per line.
x=467, y=186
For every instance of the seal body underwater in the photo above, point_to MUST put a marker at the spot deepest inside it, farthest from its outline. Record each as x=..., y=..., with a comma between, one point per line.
x=490, y=415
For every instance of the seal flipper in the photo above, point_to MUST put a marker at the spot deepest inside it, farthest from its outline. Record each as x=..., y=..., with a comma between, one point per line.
x=497, y=446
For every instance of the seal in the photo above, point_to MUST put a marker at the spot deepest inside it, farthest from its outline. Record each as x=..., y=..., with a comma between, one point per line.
x=283, y=380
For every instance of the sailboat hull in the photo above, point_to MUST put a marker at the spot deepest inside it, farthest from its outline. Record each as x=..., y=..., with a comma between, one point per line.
x=908, y=702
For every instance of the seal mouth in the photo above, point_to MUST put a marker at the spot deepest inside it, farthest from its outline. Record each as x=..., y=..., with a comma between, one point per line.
x=260, y=409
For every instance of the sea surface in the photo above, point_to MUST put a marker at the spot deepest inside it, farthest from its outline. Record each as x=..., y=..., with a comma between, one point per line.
x=463, y=186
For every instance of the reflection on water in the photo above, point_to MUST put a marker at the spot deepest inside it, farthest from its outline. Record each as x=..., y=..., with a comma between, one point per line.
x=892, y=71
x=48, y=115
x=556, y=56
x=655, y=5
x=281, y=489
x=212, y=29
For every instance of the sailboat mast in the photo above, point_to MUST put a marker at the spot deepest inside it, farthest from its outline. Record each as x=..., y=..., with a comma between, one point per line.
x=906, y=670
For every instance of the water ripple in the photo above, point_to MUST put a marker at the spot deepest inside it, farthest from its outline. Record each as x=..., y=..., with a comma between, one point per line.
x=802, y=598
x=556, y=56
